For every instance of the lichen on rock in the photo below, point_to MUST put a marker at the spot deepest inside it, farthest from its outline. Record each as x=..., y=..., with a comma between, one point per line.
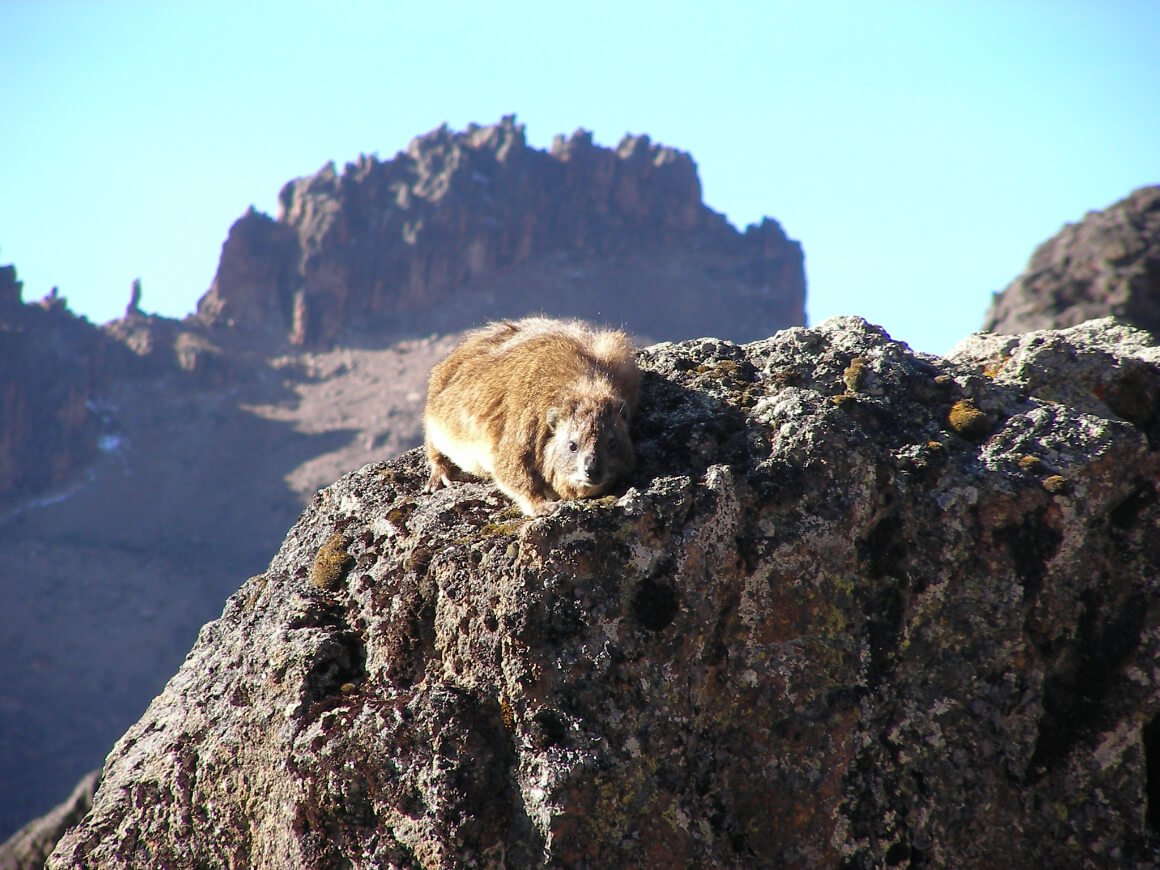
x=803, y=633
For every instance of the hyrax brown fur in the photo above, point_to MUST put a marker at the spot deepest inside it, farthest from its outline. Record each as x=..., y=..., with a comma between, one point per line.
x=541, y=406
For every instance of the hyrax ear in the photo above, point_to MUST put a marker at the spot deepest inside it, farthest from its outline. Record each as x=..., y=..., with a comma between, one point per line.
x=552, y=418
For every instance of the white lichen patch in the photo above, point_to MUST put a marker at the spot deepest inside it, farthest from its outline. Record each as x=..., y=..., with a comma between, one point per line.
x=1113, y=745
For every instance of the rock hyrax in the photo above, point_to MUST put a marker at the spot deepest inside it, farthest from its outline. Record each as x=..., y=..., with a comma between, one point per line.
x=541, y=406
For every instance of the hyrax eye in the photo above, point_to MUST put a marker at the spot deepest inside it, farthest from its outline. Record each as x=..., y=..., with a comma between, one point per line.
x=573, y=446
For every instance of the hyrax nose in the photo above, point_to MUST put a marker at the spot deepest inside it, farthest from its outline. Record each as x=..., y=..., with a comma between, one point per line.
x=593, y=467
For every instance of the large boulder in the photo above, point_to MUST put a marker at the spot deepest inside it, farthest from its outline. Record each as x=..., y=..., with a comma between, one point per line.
x=856, y=606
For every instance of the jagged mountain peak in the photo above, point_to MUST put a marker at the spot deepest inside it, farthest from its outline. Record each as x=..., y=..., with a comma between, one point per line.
x=463, y=226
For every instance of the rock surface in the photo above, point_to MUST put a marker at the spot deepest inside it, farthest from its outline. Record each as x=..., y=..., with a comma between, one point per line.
x=856, y=606
x=466, y=227
x=1108, y=264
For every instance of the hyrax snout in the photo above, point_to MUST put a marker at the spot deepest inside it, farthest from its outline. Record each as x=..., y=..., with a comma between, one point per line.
x=541, y=406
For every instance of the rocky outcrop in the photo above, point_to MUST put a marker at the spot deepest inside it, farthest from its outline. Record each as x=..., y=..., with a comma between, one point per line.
x=10, y=290
x=856, y=606
x=462, y=227
x=29, y=847
x=164, y=347
x=1107, y=264
x=256, y=278
x=54, y=364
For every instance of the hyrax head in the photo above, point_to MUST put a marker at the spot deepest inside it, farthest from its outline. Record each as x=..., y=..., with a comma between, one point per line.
x=589, y=447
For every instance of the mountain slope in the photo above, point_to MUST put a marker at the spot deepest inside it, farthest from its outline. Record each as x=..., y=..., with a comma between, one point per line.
x=468, y=226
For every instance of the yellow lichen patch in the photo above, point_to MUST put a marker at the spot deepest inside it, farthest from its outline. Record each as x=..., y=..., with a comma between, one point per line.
x=331, y=563
x=506, y=713
x=995, y=365
x=833, y=623
x=967, y=420
x=604, y=501
x=501, y=528
x=1030, y=463
x=731, y=374
x=843, y=583
x=398, y=516
x=1056, y=484
x=843, y=399
x=855, y=374
x=728, y=368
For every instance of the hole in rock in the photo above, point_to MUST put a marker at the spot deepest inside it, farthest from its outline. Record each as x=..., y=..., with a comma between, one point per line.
x=654, y=605
x=1152, y=773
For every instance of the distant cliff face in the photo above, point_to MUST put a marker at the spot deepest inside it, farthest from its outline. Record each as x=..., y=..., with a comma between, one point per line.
x=56, y=366
x=465, y=226
x=1107, y=264
x=49, y=361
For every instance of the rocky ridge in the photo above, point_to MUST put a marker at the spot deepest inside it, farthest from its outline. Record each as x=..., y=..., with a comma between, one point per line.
x=1108, y=264
x=856, y=606
x=55, y=367
x=467, y=226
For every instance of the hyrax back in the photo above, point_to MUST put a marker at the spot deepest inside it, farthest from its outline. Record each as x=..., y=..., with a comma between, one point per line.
x=541, y=406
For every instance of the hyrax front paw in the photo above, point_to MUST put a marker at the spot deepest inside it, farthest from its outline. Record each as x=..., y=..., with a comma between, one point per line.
x=546, y=507
x=436, y=481
x=536, y=507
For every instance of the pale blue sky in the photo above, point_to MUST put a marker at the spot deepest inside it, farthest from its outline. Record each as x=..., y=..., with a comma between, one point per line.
x=918, y=150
